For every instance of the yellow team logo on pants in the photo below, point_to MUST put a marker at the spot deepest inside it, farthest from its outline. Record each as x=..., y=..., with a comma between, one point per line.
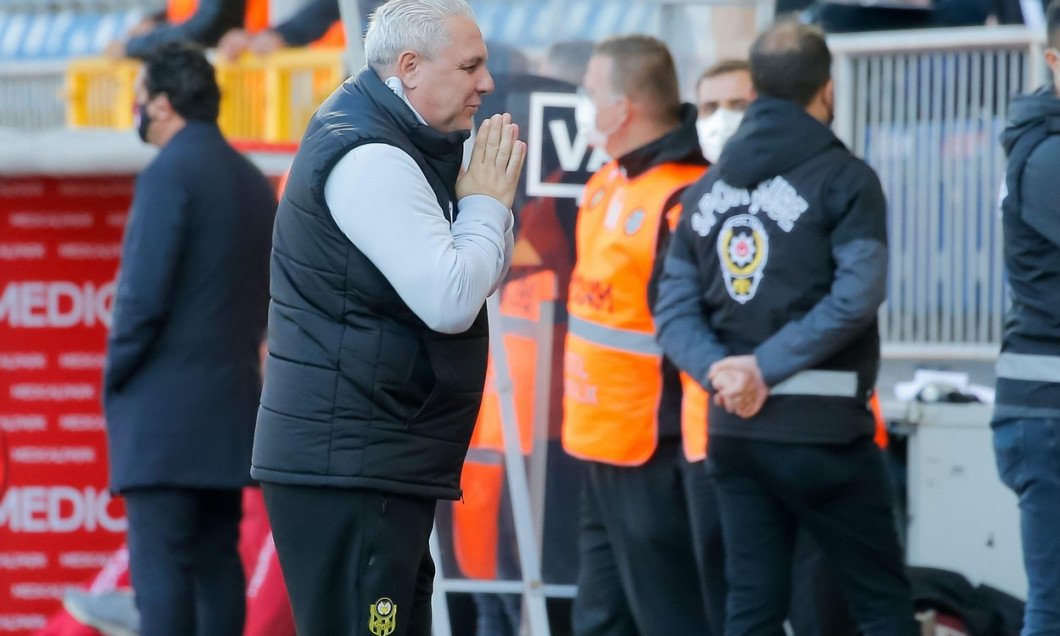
x=384, y=617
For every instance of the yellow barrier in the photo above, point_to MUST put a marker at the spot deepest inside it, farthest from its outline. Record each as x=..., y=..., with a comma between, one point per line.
x=99, y=93
x=264, y=99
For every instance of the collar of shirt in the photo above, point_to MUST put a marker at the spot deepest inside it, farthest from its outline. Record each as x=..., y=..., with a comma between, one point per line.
x=394, y=84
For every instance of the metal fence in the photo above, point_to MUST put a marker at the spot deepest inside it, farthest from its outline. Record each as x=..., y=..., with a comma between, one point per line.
x=32, y=96
x=925, y=109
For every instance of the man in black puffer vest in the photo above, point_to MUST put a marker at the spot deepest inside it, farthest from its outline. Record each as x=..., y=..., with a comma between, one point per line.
x=1027, y=410
x=382, y=260
x=769, y=295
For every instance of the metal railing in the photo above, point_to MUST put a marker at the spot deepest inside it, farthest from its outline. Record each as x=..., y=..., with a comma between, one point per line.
x=32, y=95
x=925, y=109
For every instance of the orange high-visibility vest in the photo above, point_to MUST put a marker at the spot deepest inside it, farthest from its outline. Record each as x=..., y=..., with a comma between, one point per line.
x=694, y=407
x=475, y=518
x=613, y=366
x=475, y=537
x=334, y=38
x=521, y=300
x=255, y=19
x=881, y=438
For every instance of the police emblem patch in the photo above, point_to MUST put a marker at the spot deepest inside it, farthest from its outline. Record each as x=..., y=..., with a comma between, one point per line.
x=383, y=619
x=634, y=221
x=743, y=249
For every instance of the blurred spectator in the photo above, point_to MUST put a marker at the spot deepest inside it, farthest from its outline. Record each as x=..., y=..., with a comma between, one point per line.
x=317, y=23
x=723, y=93
x=566, y=60
x=181, y=381
x=200, y=21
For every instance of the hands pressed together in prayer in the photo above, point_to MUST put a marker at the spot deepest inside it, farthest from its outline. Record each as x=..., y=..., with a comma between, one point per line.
x=738, y=385
x=496, y=161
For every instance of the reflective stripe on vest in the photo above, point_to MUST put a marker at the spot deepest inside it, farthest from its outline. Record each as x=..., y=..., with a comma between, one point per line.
x=612, y=338
x=521, y=301
x=1029, y=367
x=475, y=524
x=819, y=382
x=612, y=364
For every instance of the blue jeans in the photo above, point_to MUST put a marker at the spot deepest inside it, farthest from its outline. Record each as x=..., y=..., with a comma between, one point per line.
x=1028, y=460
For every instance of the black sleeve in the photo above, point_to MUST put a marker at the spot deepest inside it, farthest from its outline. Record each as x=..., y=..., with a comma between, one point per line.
x=1039, y=205
x=662, y=244
x=212, y=20
x=310, y=23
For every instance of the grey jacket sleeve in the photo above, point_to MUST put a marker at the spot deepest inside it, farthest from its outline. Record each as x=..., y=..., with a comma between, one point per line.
x=859, y=249
x=150, y=257
x=212, y=20
x=680, y=321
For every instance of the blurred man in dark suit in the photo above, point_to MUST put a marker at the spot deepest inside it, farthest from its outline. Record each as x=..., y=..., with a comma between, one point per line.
x=181, y=381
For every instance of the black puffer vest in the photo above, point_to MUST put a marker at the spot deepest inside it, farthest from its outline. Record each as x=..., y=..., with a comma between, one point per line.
x=359, y=392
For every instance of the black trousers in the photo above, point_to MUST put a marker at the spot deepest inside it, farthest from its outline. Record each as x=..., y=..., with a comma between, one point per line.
x=818, y=607
x=356, y=562
x=184, y=561
x=840, y=495
x=707, y=542
x=636, y=577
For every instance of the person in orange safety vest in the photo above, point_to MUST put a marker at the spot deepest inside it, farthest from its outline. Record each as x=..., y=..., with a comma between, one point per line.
x=200, y=21
x=622, y=399
x=317, y=24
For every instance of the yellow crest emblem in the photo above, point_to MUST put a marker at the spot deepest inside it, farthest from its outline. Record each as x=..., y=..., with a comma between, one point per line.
x=384, y=617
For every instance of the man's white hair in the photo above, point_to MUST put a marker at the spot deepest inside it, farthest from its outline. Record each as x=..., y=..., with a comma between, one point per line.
x=410, y=25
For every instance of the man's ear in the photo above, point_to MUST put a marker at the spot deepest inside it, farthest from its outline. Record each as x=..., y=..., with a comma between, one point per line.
x=160, y=109
x=828, y=93
x=408, y=68
x=1052, y=58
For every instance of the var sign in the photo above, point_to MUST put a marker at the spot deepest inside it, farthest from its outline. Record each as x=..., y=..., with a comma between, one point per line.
x=559, y=159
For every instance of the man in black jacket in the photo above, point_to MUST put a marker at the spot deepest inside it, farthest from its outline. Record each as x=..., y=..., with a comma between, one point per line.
x=1027, y=411
x=769, y=294
x=181, y=381
x=382, y=260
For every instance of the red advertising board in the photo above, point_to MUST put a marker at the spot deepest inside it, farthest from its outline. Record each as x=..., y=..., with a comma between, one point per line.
x=60, y=243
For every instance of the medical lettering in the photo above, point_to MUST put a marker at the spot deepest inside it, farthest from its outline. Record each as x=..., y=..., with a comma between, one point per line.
x=56, y=304
x=36, y=509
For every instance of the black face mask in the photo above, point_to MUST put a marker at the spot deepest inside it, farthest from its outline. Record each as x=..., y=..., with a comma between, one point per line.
x=143, y=121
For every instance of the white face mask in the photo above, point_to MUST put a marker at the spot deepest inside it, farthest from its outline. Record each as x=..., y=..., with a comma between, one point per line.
x=585, y=118
x=715, y=130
